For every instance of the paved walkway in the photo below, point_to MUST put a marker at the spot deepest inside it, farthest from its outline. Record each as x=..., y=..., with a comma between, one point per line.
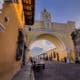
x=25, y=73
x=59, y=71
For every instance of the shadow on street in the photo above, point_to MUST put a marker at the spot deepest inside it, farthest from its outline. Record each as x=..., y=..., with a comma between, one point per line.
x=39, y=75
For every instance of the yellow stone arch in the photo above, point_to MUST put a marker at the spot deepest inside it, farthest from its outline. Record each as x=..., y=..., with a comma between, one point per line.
x=53, y=38
x=60, y=45
x=62, y=41
x=57, y=33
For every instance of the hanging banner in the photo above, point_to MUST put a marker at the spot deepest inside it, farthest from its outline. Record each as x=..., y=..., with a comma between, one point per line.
x=29, y=9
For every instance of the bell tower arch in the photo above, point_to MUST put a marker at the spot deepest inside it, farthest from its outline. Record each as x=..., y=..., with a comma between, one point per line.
x=45, y=18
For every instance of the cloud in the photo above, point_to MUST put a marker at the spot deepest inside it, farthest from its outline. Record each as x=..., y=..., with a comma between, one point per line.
x=46, y=45
x=37, y=50
x=38, y=43
x=78, y=23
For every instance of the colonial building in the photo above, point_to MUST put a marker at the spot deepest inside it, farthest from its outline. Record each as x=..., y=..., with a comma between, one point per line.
x=11, y=38
x=53, y=55
x=14, y=14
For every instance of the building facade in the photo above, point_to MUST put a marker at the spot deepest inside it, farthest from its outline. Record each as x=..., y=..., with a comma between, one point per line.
x=14, y=15
x=54, y=55
x=11, y=38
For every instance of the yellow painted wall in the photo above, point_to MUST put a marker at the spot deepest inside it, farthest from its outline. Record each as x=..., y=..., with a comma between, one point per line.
x=61, y=55
x=19, y=12
x=8, y=40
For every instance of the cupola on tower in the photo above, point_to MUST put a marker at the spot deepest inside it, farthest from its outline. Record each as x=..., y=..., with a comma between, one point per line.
x=45, y=18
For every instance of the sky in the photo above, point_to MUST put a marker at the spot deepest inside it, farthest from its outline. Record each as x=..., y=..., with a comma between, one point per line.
x=61, y=10
x=41, y=46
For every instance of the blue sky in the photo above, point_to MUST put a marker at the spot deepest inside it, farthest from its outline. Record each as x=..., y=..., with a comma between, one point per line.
x=41, y=46
x=61, y=10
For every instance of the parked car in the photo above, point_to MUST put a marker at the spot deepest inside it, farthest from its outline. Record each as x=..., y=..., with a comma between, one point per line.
x=39, y=65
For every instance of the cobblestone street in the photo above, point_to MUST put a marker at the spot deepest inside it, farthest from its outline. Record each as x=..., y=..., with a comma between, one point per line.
x=25, y=73
x=59, y=71
x=53, y=71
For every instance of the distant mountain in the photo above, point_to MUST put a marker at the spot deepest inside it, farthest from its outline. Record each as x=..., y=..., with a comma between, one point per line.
x=37, y=50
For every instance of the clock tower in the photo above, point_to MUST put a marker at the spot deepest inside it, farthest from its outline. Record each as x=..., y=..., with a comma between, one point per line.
x=45, y=18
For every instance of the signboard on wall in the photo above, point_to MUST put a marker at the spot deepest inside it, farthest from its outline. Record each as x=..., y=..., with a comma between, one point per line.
x=29, y=9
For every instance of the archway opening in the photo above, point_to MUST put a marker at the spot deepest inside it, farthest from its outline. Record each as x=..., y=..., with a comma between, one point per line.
x=41, y=46
x=48, y=49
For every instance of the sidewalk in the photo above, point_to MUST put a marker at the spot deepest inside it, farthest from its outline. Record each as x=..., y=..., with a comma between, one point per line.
x=25, y=73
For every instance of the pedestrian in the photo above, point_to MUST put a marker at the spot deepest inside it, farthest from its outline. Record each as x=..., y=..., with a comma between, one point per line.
x=65, y=59
x=31, y=60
